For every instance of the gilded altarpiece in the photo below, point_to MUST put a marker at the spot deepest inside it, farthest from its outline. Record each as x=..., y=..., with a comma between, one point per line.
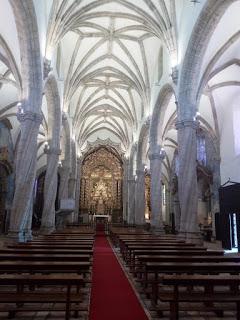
x=101, y=184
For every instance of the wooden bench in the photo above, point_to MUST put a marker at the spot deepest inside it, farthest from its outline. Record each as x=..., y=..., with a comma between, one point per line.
x=13, y=301
x=161, y=268
x=47, y=251
x=78, y=267
x=208, y=296
x=142, y=259
x=52, y=246
x=44, y=257
x=128, y=255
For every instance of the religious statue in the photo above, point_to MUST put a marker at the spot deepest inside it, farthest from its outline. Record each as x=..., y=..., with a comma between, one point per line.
x=100, y=195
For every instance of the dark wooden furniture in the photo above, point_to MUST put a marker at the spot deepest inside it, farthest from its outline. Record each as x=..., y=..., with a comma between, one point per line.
x=162, y=268
x=207, y=296
x=15, y=300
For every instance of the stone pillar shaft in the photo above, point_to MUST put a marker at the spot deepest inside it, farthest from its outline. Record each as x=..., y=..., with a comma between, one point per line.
x=140, y=198
x=72, y=187
x=131, y=200
x=78, y=190
x=156, y=190
x=187, y=185
x=215, y=194
x=50, y=191
x=64, y=177
x=25, y=173
x=125, y=190
x=177, y=212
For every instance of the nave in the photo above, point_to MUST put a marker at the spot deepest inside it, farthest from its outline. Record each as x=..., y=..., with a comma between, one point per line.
x=117, y=272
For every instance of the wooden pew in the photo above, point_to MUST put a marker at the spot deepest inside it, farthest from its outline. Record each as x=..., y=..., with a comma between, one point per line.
x=44, y=257
x=52, y=246
x=46, y=251
x=13, y=301
x=143, y=259
x=78, y=267
x=61, y=242
x=128, y=254
x=161, y=268
x=208, y=296
x=166, y=253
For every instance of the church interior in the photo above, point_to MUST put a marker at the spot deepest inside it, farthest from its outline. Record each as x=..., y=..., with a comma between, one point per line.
x=119, y=159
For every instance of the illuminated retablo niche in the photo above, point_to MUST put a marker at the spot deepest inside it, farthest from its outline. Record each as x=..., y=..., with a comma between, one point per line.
x=101, y=184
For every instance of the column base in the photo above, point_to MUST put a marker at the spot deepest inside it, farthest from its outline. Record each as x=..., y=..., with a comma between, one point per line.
x=16, y=236
x=46, y=230
x=28, y=235
x=157, y=230
x=191, y=237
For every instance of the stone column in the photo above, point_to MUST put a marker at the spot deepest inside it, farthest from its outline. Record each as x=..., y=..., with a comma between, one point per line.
x=78, y=190
x=71, y=194
x=187, y=180
x=28, y=225
x=50, y=190
x=72, y=186
x=215, y=195
x=64, y=178
x=140, y=197
x=177, y=212
x=131, y=200
x=25, y=173
x=64, y=172
x=156, y=220
x=125, y=190
x=168, y=207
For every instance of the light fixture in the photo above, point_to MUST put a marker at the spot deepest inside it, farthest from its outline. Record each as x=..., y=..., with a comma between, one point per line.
x=46, y=147
x=20, y=108
x=197, y=115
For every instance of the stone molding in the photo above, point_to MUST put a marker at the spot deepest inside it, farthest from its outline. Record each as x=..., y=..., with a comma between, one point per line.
x=187, y=123
x=50, y=150
x=157, y=156
x=29, y=115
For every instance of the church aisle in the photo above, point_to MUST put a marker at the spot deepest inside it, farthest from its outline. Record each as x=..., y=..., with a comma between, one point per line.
x=112, y=296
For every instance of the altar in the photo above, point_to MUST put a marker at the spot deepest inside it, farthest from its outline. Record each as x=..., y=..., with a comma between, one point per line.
x=102, y=218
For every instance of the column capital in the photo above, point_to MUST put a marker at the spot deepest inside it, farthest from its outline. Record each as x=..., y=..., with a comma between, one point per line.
x=52, y=150
x=29, y=115
x=187, y=123
x=157, y=156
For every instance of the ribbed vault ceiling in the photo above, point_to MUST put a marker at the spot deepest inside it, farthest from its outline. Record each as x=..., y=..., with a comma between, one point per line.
x=107, y=55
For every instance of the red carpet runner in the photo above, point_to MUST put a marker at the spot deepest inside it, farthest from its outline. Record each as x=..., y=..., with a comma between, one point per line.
x=112, y=296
